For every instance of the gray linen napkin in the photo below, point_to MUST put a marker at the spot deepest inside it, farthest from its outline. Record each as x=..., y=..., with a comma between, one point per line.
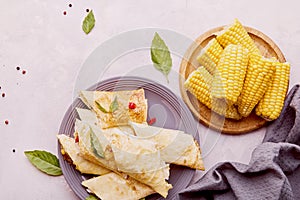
x=273, y=171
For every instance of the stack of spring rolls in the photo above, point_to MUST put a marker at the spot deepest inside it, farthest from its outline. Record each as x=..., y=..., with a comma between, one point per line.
x=130, y=158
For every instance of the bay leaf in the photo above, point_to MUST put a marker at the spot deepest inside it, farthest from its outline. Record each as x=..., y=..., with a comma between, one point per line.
x=114, y=105
x=88, y=22
x=96, y=145
x=44, y=161
x=160, y=55
x=101, y=107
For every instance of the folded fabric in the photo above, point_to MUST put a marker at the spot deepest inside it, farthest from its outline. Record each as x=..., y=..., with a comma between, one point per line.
x=273, y=171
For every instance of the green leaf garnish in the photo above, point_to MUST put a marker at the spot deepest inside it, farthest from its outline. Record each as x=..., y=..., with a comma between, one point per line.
x=95, y=144
x=88, y=22
x=114, y=105
x=160, y=55
x=91, y=197
x=44, y=161
x=100, y=107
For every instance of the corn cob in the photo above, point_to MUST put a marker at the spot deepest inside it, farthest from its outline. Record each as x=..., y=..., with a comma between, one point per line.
x=271, y=104
x=259, y=76
x=237, y=34
x=199, y=84
x=209, y=56
x=230, y=73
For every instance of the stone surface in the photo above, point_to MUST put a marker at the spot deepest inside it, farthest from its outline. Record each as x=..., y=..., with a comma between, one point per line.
x=51, y=47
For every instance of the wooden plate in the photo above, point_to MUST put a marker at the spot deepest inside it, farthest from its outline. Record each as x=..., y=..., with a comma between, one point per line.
x=189, y=63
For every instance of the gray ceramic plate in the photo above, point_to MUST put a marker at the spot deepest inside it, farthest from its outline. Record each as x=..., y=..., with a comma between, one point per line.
x=170, y=112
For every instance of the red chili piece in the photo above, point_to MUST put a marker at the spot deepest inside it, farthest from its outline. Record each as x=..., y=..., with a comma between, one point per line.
x=65, y=12
x=152, y=121
x=76, y=139
x=6, y=122
x=3, y=94
x=131, y=105
x=24, y=72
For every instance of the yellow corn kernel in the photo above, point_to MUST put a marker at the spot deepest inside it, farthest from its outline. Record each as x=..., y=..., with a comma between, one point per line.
x=272, y=103
x=209, y=56
x=199, y=84
x=237, y=34
x=259, y=76
x=230, y=73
